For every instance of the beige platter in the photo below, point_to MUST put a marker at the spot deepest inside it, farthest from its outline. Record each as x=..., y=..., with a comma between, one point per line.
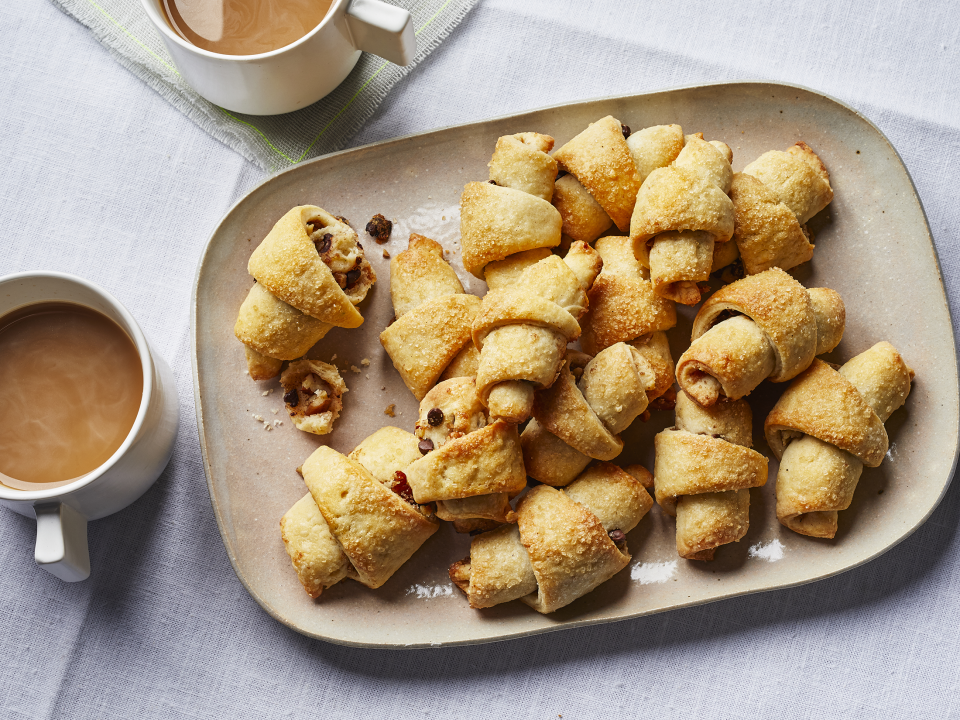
x=873, y=246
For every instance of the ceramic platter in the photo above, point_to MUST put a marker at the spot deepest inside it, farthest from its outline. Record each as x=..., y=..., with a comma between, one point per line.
x=873, y=246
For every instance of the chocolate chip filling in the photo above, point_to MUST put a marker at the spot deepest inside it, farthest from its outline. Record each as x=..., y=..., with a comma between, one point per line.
x=425, y=446
x=619, y=539
x=352, y=277
x=323, y=244
x=625, y=129
x=380, y=228
x=435, y=417
x=291, y=397
x=493, y=182
x=561, y=174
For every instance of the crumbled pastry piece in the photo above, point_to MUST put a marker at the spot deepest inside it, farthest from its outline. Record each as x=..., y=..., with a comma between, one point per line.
x=386, y=254
x=313, y=392
x=826, y=427
x=566, y=543
x=354, y=369
x=379, y=228
x=390, y=410
x=365, y=362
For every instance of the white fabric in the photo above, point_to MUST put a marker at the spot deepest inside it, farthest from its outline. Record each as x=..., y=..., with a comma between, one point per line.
x=103, y=178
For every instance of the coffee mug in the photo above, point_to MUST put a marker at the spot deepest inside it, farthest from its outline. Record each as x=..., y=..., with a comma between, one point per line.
x=298, y=74
x=62, y=512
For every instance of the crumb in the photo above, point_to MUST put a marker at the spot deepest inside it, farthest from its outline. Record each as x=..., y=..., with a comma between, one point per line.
x=267, y=392
x=383, y=387
x=365, y=362
x=258, y=418
x=342, y=219
x=354, y=368
x=246, y=372
x=267, y=426
x=368, y=376
x=379, y=228
x=274, y=411
x=334, y=357
x=389, y=412
x=443, y=217
x=277, y=423
x=386, y=255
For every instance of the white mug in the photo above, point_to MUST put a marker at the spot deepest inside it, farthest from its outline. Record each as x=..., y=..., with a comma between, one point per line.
x=298, y=74
x=62, y=512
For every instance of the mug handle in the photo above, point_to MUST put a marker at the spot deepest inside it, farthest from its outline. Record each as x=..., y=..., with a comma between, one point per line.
x=383, y=30
x=62, y=542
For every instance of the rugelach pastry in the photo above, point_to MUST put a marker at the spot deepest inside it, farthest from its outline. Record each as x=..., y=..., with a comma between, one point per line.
x=763, y=326
x=522, y=330
x=431, y=336
x=576, y=421
x=512, y=212
x=704, y=470
x=359, y=519
x=773, y=197
x=310, y=272
x=682, y=212
x=471, y=467
x=826, y=427
x=623, y=307
x=565, y=543
x=313, y=395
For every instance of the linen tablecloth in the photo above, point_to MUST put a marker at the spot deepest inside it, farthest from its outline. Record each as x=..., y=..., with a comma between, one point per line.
x=101, y=177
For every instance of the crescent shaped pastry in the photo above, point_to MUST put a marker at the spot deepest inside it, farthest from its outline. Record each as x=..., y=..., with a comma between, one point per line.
x=623, y=307
x=583, y=217
x=521, y=162
x=682, y=211
x=566, y=543
x=355, y=522
x=602, y=162
x=826, y=427
x=655, y=147
x=275, y=329
x=776, y=329
x=434, y=318
x=704, y=469
x=313, y=395
x=522, y=330
x=313, y=261
x=496, y=222
x=586, y=416
x=770, y=230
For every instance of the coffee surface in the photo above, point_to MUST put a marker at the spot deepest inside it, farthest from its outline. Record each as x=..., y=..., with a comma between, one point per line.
x=243, y=27
x=70, y=388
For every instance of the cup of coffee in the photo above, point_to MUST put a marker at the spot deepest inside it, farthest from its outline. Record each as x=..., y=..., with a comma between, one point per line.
x=88, y=412
x=266, y=57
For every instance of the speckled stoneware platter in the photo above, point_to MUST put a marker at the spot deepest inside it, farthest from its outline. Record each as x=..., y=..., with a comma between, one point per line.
x=873, y=246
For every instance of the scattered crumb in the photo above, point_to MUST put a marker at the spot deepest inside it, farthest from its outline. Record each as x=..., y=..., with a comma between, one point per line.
x=342, y=219
x=334, y=357
x=365, y=362
x=443, y=217
x=379, y=228
x=354, y=369
x=267, y=426
x=267, y=392
x=389, y=412
x=246, y=372
x=368, y=376
x=277, y=423
x=258, y=418
x=386, y=255
x=275, y=411
x=383, y=387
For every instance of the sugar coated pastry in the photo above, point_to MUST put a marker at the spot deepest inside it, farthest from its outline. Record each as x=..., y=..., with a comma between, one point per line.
x=566, y=543
x=704, y=470
x=773, y=198
x=682, y=211
x=576, y=421
x=826, y=427
x=522, y=330
x=623, y=307
x=471, y=467
x=313, y=261
x=271, y=327
x=512, y=212
x=434, y=318
x=600, y=159
x=358, y=520
x=313, y=394
x=763, y=326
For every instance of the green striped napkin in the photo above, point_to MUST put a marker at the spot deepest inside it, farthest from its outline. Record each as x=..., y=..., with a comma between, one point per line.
x=275, y=142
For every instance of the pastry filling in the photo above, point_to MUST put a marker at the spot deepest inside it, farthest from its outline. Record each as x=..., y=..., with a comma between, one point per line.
x=312, y=397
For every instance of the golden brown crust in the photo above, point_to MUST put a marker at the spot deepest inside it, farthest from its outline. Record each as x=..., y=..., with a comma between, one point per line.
x=547, y=458
x=600, y=159
x=420, y=273
x=655, y=147
x=503, y=273
x=583, y=217
x=486, y=461
x=521, y=162
x=569, y=549
x=288, y=265
x=622, y=303
x=275, y=329
x=797, y=178
x=261, y=367
x=315, y=554
x=824, y=404
x=766, y=231
x=498, y=570
x=616, y=497
x=496, y=222
x=377, y=530
x=424, y=342
x=495, y=508
x=385, y=452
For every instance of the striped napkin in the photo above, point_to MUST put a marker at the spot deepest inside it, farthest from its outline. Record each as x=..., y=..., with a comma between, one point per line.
x=272, y=142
